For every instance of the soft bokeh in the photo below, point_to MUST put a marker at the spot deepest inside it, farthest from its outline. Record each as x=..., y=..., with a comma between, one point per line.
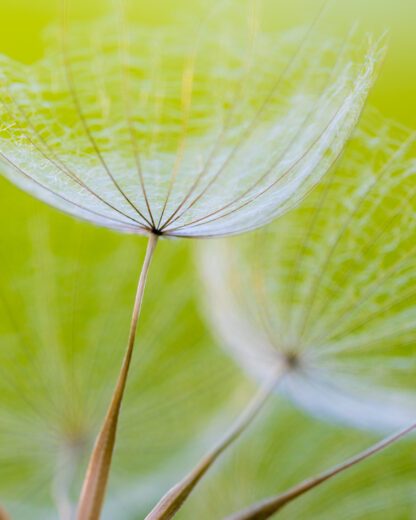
x=66, y=291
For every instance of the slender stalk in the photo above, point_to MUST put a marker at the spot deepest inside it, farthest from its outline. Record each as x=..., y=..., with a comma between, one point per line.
x=3, y=514
x=95, y=482
x=267, y=508
x=170, y=504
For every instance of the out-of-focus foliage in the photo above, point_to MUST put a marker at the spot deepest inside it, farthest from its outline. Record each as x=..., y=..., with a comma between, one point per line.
x=332, y=286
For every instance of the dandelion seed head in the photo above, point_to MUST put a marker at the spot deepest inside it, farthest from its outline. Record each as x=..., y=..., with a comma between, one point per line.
x=332, y=283
x=192, y=133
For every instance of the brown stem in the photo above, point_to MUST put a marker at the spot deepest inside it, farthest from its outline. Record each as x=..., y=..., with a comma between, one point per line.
x=267, y=508
x=95, y=482
x=3, y=514
x=170, y=504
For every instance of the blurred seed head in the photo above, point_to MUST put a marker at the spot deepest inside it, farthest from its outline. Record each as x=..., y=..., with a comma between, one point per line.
x=329, y=288
x=61, y=338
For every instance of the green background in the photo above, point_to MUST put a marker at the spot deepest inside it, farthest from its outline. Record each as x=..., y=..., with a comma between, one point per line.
x=66, y=291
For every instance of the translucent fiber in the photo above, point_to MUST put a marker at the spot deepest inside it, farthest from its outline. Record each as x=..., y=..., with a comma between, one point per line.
x=189, y=131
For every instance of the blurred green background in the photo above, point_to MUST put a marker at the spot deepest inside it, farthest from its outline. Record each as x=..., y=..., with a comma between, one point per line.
x=66, y=292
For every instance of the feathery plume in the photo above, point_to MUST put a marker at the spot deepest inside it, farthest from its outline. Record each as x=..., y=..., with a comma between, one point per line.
x=152, y=132
x=329, y=289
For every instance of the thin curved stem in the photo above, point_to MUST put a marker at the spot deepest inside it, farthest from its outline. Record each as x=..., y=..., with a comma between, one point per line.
x=95, y=482
x=267, y=508
x=170, y=504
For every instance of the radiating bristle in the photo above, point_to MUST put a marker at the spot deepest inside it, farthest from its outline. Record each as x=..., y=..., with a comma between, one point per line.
x=332, y=283
x=190, y=132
